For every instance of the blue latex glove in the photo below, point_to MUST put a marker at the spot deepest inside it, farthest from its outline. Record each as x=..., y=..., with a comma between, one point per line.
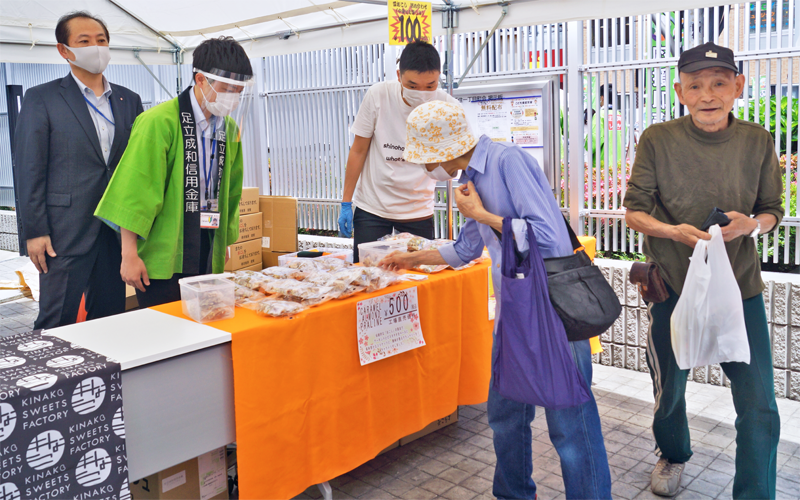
x=346, y=220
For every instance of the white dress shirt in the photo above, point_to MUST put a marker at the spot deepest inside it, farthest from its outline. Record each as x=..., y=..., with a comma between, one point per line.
x=105, y=129
x=204, y=136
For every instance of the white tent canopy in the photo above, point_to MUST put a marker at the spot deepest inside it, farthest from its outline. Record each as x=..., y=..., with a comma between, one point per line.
x=158, y=28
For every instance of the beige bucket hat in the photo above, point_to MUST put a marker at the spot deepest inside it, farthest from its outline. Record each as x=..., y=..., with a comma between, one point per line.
x=437, y=131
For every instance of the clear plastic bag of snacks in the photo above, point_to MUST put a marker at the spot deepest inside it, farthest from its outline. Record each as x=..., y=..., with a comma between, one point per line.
x=301, y=292
x=331, y=264
x=246, y=297
x=304, y=265
x=356, y=275
x=275, y=287
x=279, y=308
x=320, y=278
x=283, y=273
x=396, y=236
x=417, y=243
x=249, y=279
x=349, y=291
x=380, y=279
x=430, y=268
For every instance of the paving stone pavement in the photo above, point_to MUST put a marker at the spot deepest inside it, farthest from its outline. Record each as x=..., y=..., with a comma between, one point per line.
x=17, y=312
x=457, y=462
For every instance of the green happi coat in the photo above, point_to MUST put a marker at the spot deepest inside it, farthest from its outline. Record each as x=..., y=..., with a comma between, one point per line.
x=146, y=192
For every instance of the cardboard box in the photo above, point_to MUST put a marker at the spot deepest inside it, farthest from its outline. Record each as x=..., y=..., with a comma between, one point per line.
x=432, y=427
x=131, y=302
x=270, y=259
x=249, y=227
x=249, y=202
x=244, y=254
x=202, y=477
x=254, y=267
x=278, y=223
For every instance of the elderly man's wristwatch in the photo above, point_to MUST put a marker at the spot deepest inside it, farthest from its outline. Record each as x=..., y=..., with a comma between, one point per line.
x=757, y=230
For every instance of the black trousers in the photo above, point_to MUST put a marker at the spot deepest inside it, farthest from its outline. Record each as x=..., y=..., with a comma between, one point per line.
x=96, y=274
x=166, y=291
x=369, y=227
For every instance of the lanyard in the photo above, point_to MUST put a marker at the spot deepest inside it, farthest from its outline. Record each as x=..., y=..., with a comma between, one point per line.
x=100, y=112
x=208, y=166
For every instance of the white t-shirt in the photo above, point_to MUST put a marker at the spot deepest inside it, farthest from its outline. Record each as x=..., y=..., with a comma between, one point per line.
x=389, y=186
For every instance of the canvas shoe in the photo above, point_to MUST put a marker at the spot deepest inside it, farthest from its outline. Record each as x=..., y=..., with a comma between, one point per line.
x=666, y=478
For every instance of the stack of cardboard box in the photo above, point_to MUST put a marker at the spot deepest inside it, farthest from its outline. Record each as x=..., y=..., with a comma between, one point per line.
x=245, y=253
x=279, y=228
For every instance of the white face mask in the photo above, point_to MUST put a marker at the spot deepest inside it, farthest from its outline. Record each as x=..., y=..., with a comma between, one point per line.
x=93, y=59
x=440, y=174
x=225, y=103
x=416, y=97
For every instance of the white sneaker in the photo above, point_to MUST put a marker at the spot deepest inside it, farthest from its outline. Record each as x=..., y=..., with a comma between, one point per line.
x=666, y=478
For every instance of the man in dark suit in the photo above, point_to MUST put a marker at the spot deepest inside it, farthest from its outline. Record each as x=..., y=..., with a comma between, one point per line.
x=70, y=135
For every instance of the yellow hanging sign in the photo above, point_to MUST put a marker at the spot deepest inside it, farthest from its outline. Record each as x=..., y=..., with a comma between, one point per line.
x=409, y=21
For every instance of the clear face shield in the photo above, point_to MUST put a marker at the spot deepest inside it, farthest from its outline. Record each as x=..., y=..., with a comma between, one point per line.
x=226, y=96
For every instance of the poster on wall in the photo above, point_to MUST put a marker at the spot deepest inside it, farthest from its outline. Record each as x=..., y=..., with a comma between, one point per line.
x=507, y=119
x=515, y=117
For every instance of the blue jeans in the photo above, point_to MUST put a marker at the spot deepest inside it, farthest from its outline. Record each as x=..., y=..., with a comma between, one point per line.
x=575, y=433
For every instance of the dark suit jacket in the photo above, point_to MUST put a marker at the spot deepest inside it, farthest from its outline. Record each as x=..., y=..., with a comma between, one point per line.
x=59, y=167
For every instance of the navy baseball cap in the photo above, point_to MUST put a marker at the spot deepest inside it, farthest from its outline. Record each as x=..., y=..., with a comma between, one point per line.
x=708, y=55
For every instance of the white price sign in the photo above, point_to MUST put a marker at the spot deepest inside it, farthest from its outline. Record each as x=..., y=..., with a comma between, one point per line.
x=388, y=325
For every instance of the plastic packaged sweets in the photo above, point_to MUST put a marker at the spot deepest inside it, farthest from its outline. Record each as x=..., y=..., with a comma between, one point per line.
x=331, y=264
x=242, y=293
x=395, y=236
x=380, y=279
x=304, y=265
x=276, y=286
x=417, y=243
x=320, y=278
x=279, y=308
x=284, y=273
x=430, y=268
x=249, y=279
x=358, y=276
x=350, y=290
x=304, y=292
x=210, y=306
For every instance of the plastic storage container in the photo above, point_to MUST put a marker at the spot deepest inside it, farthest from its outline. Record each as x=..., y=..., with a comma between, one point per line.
x=369, y=254
x=339, y=253
x=208, y=298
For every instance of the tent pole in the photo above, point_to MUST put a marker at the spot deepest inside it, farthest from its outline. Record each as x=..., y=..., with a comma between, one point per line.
x=136, y=55
x=449, y=19
x=483, y=45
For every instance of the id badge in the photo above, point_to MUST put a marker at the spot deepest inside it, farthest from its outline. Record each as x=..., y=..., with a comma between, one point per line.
x=209, y=220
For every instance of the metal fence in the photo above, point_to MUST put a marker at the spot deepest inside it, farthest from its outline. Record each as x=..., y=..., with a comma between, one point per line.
x=297, y=138
x=638, y=56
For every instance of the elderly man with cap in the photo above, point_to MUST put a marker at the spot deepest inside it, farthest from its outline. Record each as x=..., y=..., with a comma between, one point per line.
x=684, y=169
x=501, y=180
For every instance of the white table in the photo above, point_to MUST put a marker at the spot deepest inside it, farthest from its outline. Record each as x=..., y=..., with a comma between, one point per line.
x=177, y=384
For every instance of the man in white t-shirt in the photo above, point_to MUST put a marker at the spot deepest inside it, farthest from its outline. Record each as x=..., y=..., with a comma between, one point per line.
x=390, y=193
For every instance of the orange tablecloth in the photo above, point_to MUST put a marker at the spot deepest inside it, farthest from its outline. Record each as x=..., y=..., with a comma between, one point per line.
x=307, y=411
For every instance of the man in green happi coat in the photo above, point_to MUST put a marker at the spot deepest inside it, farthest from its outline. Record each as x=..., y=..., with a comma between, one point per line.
x=175, y=194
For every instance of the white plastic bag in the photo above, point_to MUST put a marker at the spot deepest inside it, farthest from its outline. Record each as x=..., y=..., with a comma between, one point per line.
x=708, y=321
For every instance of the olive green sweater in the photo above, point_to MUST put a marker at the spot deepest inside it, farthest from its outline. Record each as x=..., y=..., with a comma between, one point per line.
x=681, y=173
